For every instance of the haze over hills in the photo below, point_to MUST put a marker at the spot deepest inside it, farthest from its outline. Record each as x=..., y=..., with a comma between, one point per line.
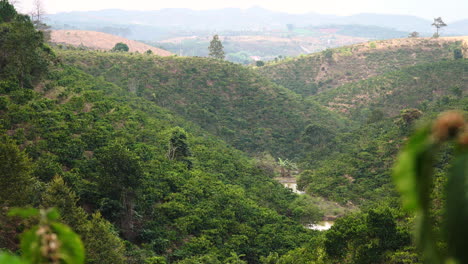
x=246, y=49
x=459, y=27
x=237, y=19
x=265, y=34
x=255, y=18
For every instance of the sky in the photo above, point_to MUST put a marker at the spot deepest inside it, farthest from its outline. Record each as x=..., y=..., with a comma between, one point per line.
x=449, y=10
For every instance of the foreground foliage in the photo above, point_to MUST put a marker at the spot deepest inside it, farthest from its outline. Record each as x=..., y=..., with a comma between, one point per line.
x=414, y=177
x=47, y=242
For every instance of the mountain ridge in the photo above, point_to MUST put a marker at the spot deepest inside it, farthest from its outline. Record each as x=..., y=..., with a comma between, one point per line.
x=229, y=100
x=329, y=69
x=258, y=17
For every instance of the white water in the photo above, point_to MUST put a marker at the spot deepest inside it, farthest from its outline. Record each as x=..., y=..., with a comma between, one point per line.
x=291, y=184
x=293, y=187
x=322, y=226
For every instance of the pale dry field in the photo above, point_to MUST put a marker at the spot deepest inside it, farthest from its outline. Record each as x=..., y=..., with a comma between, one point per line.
x=101, y=41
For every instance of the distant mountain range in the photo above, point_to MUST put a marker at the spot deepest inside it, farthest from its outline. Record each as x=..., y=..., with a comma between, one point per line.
x=244, y=19
x=458, y=28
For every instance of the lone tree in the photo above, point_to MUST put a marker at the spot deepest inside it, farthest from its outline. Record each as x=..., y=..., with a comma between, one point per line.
x=37, y=18
x=17, y=32
x=216, y=48
x=120, y=47
x=38, y=13
x=438, y=23
x=414, y=34
x=178, y=148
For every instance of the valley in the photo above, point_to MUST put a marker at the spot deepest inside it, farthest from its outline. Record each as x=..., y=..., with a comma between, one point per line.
x=152, y=157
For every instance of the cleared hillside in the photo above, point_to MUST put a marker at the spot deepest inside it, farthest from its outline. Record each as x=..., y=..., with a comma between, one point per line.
x=410, y=87
x=226, y=99
x=101, y=41
x=331, y=68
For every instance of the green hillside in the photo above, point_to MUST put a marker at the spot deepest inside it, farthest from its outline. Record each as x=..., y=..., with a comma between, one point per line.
x=386, y=108
x=156, y=160
x=411, y=87
x=138, y=183
x=319, y=72
x=228, y=100
x=189, y=194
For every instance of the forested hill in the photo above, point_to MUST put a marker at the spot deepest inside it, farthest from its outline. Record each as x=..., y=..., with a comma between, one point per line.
x=228, y=100
x=137, y=183
x=138, y=152
x=184, y=188
x=319, y=72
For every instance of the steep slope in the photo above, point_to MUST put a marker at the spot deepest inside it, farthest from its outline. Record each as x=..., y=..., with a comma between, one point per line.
x=189, y=194
x=329, y=69
x=411, y=87
x=226, y=99
x=119, y=167
x=386, y=107
x=101, y=41
x=360, y=171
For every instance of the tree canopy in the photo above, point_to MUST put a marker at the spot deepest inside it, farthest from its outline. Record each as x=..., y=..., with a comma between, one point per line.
x=438, y=24
x=17, y=33
x=216, y=48
x=120, y=47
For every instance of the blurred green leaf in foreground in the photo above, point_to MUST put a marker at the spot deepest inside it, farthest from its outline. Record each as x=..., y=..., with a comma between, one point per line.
x=413, y=176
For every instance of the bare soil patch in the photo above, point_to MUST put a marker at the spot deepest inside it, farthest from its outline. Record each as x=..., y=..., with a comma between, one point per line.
x=101, y=41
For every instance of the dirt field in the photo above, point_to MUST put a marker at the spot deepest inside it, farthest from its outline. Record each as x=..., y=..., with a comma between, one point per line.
x=100, y=41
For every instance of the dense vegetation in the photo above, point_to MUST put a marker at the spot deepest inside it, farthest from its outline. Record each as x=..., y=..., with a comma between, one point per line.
x=318, y=72
x=411, y=87
x=358, y=171
x=226, y=99
x=77, y=129
x=102, y=155
x=142, y=155
x=357, y=166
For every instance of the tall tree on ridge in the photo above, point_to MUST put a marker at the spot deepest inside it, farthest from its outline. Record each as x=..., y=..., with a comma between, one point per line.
x=438, y=23
x=216, y=48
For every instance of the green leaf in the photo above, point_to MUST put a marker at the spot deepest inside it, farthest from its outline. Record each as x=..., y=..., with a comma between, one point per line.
x=412, y=171
x=457, y=209
x=31, y=246
x=52, y=214
x=6, y=258
x=71, y=247
x=23, y=212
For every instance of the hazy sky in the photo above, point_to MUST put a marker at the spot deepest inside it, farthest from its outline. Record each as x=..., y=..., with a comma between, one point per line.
x=449, y=10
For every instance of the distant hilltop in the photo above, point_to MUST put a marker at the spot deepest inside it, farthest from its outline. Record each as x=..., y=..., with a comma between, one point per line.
x=243, y=19
x=101, y=41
